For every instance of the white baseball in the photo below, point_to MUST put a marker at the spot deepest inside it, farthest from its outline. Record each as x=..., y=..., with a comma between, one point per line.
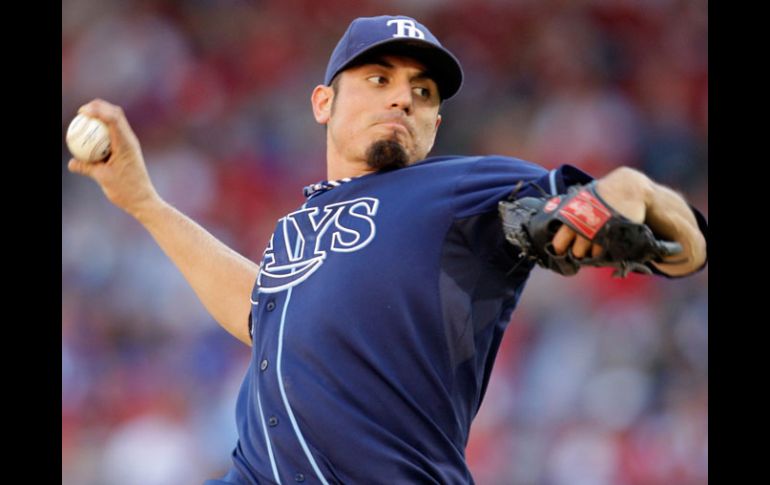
x=88, y=139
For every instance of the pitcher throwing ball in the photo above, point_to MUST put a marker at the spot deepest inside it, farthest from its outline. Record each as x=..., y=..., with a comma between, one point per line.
x=379, y=305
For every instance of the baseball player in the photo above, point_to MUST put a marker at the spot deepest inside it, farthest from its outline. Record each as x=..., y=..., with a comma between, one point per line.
x=376, y=312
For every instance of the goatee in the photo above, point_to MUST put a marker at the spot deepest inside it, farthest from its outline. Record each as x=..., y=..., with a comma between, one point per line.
x=384, y=155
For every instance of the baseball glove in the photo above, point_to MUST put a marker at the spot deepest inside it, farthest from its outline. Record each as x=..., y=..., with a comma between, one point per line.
x=530, y=224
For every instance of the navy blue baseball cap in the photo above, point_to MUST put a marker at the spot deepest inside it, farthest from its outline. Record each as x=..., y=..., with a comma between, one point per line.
x=399, y=35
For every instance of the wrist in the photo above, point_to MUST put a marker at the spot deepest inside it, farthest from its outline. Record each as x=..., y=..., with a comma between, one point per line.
x=146, y=209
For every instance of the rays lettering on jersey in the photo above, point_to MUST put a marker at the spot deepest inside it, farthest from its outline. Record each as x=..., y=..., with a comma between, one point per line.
x=303, y=239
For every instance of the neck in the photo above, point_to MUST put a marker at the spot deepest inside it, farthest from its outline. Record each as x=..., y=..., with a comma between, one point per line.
x=339, y=172
x=339, y=167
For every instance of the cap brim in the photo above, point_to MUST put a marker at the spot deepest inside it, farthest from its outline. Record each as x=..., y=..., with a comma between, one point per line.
x=442, y=66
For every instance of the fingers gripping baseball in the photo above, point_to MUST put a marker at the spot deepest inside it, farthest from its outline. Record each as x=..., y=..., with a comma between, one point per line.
x=123, y=176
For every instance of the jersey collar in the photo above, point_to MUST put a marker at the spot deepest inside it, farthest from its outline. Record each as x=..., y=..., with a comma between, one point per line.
x=318, y=188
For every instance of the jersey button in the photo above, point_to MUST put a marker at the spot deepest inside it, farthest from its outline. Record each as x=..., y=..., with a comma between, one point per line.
x=263, y=365
x=299, y=477
x=272, y=422
x=270, y=306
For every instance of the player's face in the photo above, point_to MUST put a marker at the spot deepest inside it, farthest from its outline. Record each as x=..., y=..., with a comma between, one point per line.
x=391, y=98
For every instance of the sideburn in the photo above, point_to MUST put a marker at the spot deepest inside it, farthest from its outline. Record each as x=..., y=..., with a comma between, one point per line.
x=335, y=89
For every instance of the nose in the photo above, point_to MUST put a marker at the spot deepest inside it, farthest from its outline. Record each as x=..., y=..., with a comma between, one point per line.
x=402, y=96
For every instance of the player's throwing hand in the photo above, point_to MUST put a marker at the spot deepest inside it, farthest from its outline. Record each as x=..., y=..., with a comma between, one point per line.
x=123, y=176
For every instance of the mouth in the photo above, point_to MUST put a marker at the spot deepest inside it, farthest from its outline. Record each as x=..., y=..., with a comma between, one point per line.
x=395, y=126
x=394, y=123
x=396, y=130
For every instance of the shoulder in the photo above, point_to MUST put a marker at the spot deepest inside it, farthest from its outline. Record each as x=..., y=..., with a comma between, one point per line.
x=480, y=162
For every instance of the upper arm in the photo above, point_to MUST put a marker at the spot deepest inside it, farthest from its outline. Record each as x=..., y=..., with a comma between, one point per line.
x=492, y=179
x=555, y=182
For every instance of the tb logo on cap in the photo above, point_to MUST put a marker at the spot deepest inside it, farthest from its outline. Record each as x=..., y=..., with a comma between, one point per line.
x=406, y=28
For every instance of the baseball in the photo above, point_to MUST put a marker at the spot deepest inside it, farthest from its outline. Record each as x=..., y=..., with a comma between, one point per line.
x=88, y=139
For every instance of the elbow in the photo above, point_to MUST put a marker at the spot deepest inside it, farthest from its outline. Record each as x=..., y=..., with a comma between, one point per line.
x=700, y=251
x=693, y=258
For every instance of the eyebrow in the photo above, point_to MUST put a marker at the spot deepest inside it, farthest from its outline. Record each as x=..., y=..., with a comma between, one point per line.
x=423, y=74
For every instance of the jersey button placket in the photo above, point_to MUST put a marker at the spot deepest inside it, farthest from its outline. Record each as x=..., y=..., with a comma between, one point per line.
x=269, y=306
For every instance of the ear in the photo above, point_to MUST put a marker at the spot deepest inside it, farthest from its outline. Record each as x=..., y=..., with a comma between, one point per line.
x=438, y=122
x=321, y=100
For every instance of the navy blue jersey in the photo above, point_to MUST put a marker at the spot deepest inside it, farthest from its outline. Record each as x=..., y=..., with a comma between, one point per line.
x=376, y=317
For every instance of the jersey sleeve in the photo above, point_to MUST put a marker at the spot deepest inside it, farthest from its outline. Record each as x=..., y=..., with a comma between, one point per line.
x=555, y=182
x=492, y=179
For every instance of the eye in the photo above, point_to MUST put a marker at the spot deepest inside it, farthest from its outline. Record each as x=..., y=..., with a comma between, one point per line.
x=422, y=92
x=376, y=79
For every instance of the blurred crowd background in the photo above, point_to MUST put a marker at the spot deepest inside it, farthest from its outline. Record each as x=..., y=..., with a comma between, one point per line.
x=599, y=381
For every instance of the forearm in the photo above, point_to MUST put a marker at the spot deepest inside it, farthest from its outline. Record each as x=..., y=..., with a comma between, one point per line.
x=670, y=217
x=222, y=278
x=664, y=210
